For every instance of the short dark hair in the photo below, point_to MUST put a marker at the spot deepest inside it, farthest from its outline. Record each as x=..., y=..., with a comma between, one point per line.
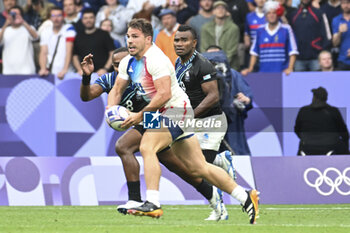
x=143, y=25
x=88, y=10
x=120, y=50
x=185, y=28
x=55, y=8
x=75, y=2
x=18, y=8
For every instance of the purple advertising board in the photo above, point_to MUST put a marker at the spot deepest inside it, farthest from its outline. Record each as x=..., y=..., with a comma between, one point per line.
x=303, y=180
x=40, y=116
x=101, y=181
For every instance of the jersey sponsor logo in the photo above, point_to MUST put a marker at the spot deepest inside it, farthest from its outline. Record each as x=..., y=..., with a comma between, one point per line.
x=151, y=120
x=326, y=184
x=187, y=76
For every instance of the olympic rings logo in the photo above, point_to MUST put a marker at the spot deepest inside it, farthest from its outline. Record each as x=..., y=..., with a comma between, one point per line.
x=323, y=178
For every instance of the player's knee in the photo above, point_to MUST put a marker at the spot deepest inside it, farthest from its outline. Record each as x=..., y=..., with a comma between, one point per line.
x=146, y=150
x=121, y=149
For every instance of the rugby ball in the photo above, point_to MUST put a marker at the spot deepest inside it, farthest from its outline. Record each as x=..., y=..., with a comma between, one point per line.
x=115, y=117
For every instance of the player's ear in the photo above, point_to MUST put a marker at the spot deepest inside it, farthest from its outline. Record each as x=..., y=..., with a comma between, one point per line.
x=149, y=39
x=195, y=43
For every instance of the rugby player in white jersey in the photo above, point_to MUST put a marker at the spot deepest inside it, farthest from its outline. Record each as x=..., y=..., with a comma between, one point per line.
x=154, y=76
x=129, y=142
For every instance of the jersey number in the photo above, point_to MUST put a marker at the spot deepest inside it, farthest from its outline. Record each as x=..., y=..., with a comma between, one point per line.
x=128, y=105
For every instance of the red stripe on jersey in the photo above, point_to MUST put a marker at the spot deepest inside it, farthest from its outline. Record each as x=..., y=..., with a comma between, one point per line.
x=272, y=45
x=313, y=43
x=183, y=118
x=297, y=14
x=70, y=39
x=254, y=26
x=313, y=14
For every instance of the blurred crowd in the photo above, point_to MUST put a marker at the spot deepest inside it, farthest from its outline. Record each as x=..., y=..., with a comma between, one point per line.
x=53, y=36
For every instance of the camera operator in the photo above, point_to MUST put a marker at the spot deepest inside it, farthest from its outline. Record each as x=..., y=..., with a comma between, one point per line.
x=236, y=100
x=17, y=37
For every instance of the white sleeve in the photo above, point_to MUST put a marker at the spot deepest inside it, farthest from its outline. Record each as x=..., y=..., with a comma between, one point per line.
x=69, y=33
x=123, y=65
x=159, y=66
x=44, y=38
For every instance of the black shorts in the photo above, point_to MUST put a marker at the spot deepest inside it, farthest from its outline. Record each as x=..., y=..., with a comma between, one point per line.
x=140, y=129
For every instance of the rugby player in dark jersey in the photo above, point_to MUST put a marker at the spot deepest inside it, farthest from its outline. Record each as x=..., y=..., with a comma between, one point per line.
x=129, y=142
x=197, y=77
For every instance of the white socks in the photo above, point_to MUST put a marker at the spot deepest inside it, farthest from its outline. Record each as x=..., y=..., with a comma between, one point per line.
x=240, y=194
x=153, y=196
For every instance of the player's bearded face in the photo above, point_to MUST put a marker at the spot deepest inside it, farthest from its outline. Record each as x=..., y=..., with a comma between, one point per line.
x=136, y=42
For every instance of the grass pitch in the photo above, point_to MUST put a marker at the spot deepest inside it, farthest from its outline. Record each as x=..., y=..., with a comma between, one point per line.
x=179, y=219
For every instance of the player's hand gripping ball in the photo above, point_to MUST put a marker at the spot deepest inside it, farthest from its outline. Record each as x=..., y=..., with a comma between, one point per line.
x=115, y=117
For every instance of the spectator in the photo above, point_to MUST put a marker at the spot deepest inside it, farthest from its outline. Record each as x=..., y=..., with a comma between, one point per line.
x=234, y=90
x=311, y=20
x=253, y=21
x=221, y=31
x=107, y=25
x=56, y=46
x=165, y=37
x=251, y=5
x=17, y=36
x=95, y=5
x=187, y=9
x=288, y=10
x=8, y=4
x=274, y=44
x=332, y=9
x=116, y=13
x=238, y=10
x=37, y=12
x=136, y=5
x=204, y=15
x=341, y=35
x=95, y=41
x=57, y=3
x=325, y=60
x=72, y=15
x=321, y=128
x=184, y=9
x=147, y=13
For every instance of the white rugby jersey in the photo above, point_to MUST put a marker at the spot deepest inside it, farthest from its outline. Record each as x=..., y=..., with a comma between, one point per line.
x=153, y=65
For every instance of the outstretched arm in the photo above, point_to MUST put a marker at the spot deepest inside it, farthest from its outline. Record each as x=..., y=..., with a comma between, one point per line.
x=87, y=91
